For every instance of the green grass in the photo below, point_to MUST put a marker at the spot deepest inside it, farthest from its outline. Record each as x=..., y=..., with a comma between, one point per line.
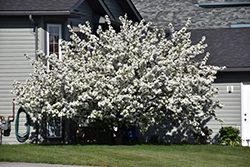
x=137, y=155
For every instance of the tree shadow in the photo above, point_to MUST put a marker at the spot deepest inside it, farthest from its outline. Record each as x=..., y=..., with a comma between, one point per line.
x=175, y=133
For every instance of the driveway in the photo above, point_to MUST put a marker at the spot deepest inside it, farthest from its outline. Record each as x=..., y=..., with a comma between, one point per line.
x=20, y=164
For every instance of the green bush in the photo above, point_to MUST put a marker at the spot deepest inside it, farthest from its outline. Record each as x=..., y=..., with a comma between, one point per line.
x=201, y=138
x=229, y=136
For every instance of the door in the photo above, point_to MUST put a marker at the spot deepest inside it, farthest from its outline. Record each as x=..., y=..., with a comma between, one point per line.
x=245, y=114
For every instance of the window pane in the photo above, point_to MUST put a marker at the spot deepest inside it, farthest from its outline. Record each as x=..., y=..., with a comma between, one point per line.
x=54, y=128
x=54, y=36
x=56, y=30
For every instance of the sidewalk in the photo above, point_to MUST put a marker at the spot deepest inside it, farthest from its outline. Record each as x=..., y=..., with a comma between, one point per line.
x=21, y=164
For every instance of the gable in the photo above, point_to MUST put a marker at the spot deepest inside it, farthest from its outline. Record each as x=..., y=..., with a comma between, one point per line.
x=114, y=8
x=86, y=9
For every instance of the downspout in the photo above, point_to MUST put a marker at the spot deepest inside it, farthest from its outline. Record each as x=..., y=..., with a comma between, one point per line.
x=36, y=35
x=36, y=57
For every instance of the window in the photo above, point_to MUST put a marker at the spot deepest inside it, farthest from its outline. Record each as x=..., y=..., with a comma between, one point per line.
x=239, y=25
x=54, y=128
x=54, y=34
x=224, y=4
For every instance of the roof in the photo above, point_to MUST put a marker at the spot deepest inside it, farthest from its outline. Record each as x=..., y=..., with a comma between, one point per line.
x=129, y=8
x=100, y=7
x=64, y=7
x=38, y=7
x=222, y=4
x=227, y=47
x=32, y=5
x=161, y=13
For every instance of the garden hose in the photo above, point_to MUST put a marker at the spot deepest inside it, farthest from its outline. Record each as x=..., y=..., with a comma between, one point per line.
x=25, y=136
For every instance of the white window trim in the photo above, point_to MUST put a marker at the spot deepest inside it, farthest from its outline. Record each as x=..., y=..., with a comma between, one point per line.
x=59, y=42
x=239, y=25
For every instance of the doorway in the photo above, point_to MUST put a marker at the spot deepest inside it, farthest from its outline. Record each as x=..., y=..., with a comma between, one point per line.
x=245, y=114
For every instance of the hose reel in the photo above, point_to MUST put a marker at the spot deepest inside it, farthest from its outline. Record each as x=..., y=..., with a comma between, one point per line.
x=22, y=137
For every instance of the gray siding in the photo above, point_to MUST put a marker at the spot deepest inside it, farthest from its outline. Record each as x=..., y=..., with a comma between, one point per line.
x=14, y=43
x=87, y=10
x=231, y=111
x=226, y=45
x=114, y=8
x=230, y=114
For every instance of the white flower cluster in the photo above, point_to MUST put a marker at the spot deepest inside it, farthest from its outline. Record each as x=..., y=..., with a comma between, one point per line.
x=134, y=77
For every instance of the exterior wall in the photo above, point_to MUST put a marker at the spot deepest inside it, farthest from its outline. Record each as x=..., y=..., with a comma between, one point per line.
x=230, y=114
x=114, y=8
x=17, y=37
x=14, y=43
x=231, y=111
x=87, y=10
x=228, y=47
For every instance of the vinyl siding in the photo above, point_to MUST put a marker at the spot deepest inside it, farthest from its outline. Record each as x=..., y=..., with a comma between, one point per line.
x=87, y=10
x=231, y=111
x=14, y=43
x=230, y=114
x=114, y=8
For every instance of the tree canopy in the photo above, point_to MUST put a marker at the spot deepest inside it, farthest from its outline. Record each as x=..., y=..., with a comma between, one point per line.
x=134, y=77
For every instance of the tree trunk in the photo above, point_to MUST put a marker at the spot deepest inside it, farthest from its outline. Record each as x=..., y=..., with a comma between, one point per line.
x=119, y=134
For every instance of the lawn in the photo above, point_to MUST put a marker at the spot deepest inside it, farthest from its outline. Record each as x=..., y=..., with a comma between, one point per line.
x=125, y=156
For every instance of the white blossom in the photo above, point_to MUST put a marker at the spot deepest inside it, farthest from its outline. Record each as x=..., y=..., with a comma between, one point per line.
x=132, y=77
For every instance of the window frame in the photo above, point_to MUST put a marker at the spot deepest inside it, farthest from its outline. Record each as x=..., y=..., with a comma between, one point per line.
x=222, y=4
x=59, y=39
x=53, y=127
x=243, y=25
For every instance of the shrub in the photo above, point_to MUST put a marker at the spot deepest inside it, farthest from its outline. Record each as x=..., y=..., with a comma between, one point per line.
x=134, y=77
x=201, y=138
x=229, y=136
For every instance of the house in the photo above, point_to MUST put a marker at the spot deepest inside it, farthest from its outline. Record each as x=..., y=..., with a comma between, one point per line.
x=30, y=25
x=226, y=25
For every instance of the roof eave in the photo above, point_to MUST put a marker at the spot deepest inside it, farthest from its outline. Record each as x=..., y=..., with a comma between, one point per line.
x=76, y=5
x=105, y=7
x=135, y=11
x=236, y=69
x=132, y=9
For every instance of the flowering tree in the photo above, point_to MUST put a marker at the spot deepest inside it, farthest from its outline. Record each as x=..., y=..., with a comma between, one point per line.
x=132, y=77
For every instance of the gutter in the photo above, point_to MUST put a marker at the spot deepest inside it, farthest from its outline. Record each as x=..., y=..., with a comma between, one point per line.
x=236, y=70
x=36, y=35
x=36, y=57
x=42, y=13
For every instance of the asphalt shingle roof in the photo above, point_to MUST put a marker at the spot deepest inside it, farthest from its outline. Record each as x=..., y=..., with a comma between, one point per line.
x=227, y=47
x=37, y=5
